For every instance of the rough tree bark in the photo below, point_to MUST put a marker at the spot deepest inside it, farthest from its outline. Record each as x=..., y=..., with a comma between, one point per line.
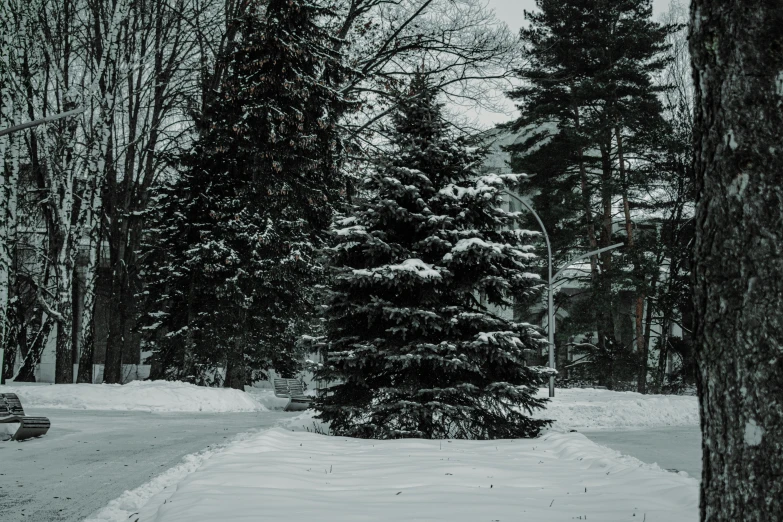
x=737, y=50
x=236, y=375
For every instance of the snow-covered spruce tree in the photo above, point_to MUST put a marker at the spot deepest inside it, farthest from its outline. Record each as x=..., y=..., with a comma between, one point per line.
x=240, y=230
x=419, y=268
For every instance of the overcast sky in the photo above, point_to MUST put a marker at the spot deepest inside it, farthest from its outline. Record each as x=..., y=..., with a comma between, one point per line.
x=511, y=11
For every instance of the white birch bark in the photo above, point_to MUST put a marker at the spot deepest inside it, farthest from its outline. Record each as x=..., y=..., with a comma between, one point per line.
x=9, y=180
x=72, y=151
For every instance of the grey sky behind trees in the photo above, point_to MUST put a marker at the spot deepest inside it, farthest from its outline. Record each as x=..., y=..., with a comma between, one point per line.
x=512, y=13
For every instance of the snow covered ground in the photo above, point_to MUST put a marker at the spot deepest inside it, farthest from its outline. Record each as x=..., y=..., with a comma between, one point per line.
x=581, y=409
x=151, y=396
x=592, y=409
x=292, y=474
x=675, y=448
x=266, y=397
x=299, y=476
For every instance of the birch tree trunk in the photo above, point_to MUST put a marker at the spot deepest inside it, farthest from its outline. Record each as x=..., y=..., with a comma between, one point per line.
x=737, y=51
x=10, y=112
x=9, y=186
x=87, y=330
x=105, y=59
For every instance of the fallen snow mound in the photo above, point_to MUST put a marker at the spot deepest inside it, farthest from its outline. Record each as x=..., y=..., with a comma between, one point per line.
x=157, y=396
x=558, y=477
x=591, y=409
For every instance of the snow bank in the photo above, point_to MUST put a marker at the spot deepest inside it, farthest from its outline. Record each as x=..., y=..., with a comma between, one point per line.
x=8, y=430
x=158, y=396
x=305, y=421
x=283, y=475
x=585, y=409
x=267, y=398
x=591, y=409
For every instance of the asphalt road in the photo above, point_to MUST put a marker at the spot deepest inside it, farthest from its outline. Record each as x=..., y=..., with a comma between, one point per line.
x=675, y=449
x=89, y=458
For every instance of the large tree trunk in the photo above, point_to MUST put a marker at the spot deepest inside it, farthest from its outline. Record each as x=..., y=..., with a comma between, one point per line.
x=605, y=324
x=235, y=365
x=87, y=327
x=737, y=50
x=87, y=331
x=42, y=326
x=62, y=311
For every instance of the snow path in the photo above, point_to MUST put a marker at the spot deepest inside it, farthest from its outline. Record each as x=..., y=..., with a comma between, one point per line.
x=676, y=448
x=657, y=429
x=299, y=476
x=592, y=410
x=89, y=458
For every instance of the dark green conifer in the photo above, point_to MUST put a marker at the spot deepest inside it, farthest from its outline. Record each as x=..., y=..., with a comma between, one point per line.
x=241, y=229
x=425, y=270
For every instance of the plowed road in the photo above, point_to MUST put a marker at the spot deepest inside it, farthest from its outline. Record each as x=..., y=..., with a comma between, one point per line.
x=91, y=457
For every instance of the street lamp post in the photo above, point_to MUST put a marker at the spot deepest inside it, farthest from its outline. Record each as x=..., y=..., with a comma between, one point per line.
x=550, y=327
x=24, y=126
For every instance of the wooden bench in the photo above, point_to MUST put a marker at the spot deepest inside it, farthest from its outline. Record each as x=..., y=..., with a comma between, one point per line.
x=29, y=427
x=293, y=390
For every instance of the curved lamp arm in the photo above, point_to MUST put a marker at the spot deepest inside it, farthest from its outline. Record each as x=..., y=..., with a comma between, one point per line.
x=585, y=256
x=33, y=123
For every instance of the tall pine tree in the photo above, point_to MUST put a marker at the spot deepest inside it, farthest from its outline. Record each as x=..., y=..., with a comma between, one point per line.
x=423, y=269
x=589, y=114
x=239, y=232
